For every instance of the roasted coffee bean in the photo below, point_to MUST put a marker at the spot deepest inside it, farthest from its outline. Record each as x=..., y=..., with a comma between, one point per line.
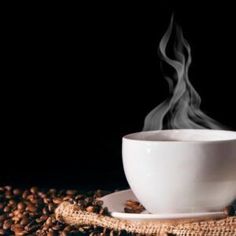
x=1, y=206
x=79, y=197
x=71, y=192
x=32, y=198
x=90, y=209
x=17, y=192
x=57, y=227
x=8, y=195
x=42, y=195
x=32, y=226
x=34, y=190
x=43, y=218
x=25, y=194
x=98, y=203
x=16, y=212
x=21, y=206
x=24, y=221
x=51, y=207
x=2, y=232
x=100, y=193
x=8, y=188
x=46, y=200
x=32, y=208
x=57, y=200
x=7, y=224
x=45, y=211
x=88, y=200
x=11, y=203
x=133, y=207
x=52, y=233
x=49, y=221
x=18, y=229
x=64, y=233
x=68, y=228
x=7, y=209
x=2, y=217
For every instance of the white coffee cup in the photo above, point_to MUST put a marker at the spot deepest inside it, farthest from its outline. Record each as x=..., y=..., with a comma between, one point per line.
x=181, y=171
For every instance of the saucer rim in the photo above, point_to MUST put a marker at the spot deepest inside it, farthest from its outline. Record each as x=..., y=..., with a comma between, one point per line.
x=150, y=216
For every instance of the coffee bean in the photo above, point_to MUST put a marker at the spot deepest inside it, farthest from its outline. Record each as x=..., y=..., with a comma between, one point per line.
x=31, y=207
x=43, y=218
x=8, y=188
x=67, y=198
x=18, y=229
x=51, y=207
x=68, y=228
x=46, y=200
x=16, y=212
x=29, y=226
x=45, y=211
x=24, y=221
x=88, y=200
x=52, y=191
x=32, y=198
x=90, y=209
x=1, y=206
x=49, y=221
x=64, y=233
x=12, y=202
x=2, y=232
x=98, y=203
x=57, y=227
x=16, y=219
x=52, y=233
x=133, y=207
x=25, y=194
x=79, y=197
x=3, y=217
x=42, y=195
x=57, y=200
x=7, y=209
x=17, y=192
x=34, y=190
x=71, y=192
x=21, y=206
x=8, y=195
x=7, y=224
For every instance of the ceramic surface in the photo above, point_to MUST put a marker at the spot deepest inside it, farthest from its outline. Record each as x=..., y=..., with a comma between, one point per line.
x=181, y=171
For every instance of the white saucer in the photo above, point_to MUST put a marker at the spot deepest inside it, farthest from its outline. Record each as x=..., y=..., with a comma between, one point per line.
x=115, y=203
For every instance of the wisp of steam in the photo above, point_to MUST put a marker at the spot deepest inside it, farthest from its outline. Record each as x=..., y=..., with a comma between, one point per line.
x=182, y=109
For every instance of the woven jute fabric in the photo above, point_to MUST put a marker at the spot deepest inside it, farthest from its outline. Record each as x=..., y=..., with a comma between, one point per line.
x=72, y=215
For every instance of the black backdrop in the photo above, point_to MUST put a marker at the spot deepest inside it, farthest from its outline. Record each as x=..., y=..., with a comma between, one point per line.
x=78, y=78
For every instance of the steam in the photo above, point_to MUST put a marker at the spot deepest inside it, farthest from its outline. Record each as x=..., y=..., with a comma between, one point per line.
x=182, y=109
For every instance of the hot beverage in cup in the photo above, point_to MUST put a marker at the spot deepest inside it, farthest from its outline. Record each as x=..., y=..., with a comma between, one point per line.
x=181, y=171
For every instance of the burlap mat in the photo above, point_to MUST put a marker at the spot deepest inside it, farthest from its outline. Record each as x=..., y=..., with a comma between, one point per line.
x=72, y=215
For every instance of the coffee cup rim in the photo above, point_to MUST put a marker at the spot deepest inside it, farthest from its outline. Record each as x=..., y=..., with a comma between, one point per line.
x=145, y=136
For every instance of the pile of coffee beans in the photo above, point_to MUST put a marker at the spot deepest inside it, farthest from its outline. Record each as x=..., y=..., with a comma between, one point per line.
x=31, y=212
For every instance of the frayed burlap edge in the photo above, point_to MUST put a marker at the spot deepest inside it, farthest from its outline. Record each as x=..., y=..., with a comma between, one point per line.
x=72, y=215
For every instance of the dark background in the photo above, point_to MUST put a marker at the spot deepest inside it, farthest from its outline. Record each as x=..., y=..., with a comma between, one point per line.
x=78, y=78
